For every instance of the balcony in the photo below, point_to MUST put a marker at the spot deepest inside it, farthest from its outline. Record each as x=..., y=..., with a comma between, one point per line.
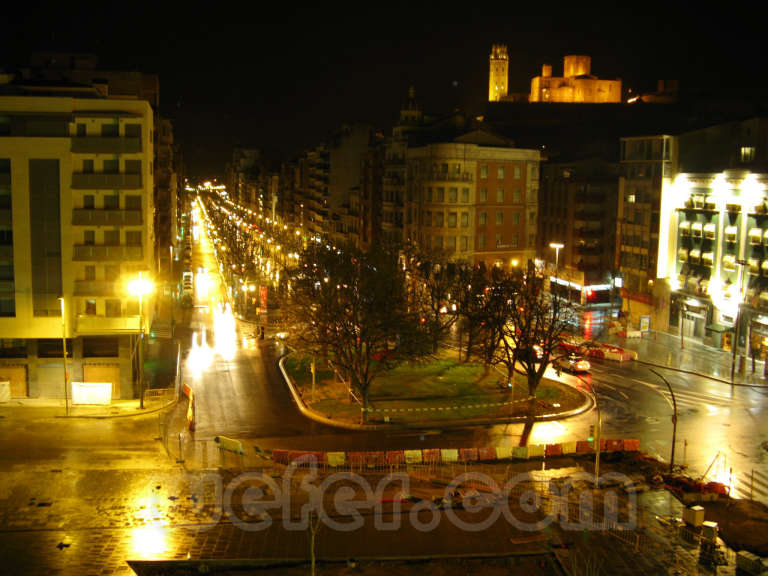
x=82, y=181
x=448, y=177
x=107, y=325
x=105, y=217
x=6, y=251
x=94, y=288
x=7, y=287
x=5, y=217
x=588, y=233
x=5, y=179
x=105, y=145
x=90, y=253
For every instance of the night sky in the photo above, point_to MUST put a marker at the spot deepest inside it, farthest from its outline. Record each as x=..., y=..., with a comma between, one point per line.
x=283, y=79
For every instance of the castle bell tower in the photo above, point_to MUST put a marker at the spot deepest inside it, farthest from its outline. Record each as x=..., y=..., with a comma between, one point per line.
x=499, y=73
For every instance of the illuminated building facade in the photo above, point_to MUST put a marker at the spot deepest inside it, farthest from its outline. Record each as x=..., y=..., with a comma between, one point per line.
x=76, y=223
x=575, y=86
x=498, y=76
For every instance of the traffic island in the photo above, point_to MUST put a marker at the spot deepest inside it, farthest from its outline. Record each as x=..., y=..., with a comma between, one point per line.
x=441, y=391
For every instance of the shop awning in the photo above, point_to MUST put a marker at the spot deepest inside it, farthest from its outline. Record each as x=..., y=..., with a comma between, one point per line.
x=715, y=327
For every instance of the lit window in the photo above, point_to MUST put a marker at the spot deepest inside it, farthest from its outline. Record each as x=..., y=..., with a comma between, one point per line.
x=685, y=228
x=755, y=235
x=631, y=199
x=500, y=195
x=709, y=231
x=500, y=173
x=483, y=194
x=499, y=218
x=482, y=218
x=484, y=171
x=747, y=154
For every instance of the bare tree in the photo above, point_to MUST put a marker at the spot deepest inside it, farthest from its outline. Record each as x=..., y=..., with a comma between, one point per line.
x=351, y=307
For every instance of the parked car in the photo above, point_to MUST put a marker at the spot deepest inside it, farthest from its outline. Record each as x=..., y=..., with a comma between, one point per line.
x=573, y=363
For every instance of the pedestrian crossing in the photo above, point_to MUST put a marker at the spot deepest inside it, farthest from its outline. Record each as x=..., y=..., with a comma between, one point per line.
x=695, y=399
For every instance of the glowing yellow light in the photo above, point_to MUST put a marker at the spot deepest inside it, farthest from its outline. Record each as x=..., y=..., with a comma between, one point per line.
x=140, y=286
x=149, y=541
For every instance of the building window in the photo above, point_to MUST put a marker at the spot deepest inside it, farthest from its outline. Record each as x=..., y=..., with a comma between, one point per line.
x=110, y=130
x=464, y=219
x=133, y=166
x=90, y=307
x=499, y=240
x=500, y=196
x=444, y=168
x=531, y=240
x=452, y=219
x=89, y=237
x=441, y=195
x=111, y=166
x=482, y=218
x=429, y=194
x=133, y=130
x=81, y=130
x=132, y=202
x=463, y=243
x=465, y=195
x=457, y=168
x=516, y=196
x=450, y=243
x=517, y=172
x=111, y=237
x=88, y=203
x=481, y=241
x=514, y=240
x=111, y=272
x=453, y=194
x=531, y=218
x=112, y=307
x=499, y=218
x=87, y=166
x=483, y=194
x=484, y=171
x=500, y=173
x=133, y=237
x=516, y=218
x=90, y=273
x=438, y=219
x=111, y=202
x=438, y=242
x=427, y=218
x=747, y=154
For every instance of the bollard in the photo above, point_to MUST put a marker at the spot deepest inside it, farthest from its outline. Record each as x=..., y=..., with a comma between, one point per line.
x=181, y=454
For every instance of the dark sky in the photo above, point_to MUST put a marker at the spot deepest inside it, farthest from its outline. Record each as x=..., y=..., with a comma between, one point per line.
x=284, y=78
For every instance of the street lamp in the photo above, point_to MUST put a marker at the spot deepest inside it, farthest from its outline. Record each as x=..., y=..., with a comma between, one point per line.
x=735, y=343
x=64, y=350
x=557, y=246
x=674, y=420
x=139, y=287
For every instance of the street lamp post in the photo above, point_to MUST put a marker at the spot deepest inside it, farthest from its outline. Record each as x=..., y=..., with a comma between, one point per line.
x=735, y=342
x=674, y=420
x=139, y=287
x=64, y=352
x=557, y=246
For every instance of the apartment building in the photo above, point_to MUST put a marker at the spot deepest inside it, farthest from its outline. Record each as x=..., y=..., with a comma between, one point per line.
x=475, y=199
x=76, y=226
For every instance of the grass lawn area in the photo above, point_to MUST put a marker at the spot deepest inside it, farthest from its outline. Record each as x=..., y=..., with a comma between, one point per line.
x=438, y=389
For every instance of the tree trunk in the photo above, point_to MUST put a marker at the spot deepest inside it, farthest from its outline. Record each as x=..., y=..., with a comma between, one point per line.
x=364, y=416
x=533, y=383
x=529, y=422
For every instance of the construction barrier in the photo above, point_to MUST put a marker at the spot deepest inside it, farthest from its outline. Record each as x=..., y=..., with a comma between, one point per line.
x=611, y=445
x=554, y=450
x=395, y=457
x=356, y=459
x=536, y=451
x=281, y=456
x=487, y=454
x=191, y=412
x=631, y=445
x=376, y=459
x=449, y=455
x=335, y=459
x=520, y=452
x=430, y=456
x=503, y=452
x=583, y=447
x=412, y=456
x=468, y=454
x=569, y=447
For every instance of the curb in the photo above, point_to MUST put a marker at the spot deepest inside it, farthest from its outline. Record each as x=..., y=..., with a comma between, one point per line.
x=313, y=415
x=108, y=416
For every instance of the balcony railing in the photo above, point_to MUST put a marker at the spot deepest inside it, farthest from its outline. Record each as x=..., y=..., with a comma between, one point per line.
x=448, y=177
x=82, y=181
x=89, y=253
x=94, y=288
x=85, y=217
x=105, y=145
x=107, y=325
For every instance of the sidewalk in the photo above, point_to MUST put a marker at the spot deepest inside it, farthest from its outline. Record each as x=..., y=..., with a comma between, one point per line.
x=664, y=350
x=38, y=408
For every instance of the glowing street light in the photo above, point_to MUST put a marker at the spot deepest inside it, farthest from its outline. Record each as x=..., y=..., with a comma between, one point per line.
x=140, y=287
